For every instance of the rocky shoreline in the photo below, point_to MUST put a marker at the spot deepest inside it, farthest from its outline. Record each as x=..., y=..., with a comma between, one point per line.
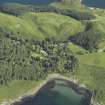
x=72, y=82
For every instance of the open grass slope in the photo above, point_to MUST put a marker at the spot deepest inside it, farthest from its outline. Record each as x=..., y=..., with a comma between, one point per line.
x=76, y=49
x=94, y=78
x=93, y=59
x=91, y=72
x=16, y=89
x=41, y=25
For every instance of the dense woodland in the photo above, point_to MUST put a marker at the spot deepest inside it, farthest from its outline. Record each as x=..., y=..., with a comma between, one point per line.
x=24, y=59
x=87, y=39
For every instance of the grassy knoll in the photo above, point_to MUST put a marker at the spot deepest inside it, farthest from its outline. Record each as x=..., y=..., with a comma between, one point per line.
x=41, y=25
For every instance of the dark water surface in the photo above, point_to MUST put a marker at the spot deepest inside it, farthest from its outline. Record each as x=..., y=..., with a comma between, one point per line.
x=90, y=3
x=58, y=92
x=94, y=3
x=29, y=1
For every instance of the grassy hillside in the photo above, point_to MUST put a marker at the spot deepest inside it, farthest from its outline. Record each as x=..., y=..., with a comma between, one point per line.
x=91, y=72
x=93, y=59
x=13, y=89
x=93, y=77
x=76, y=49
x=41, y=25
x=18, y=26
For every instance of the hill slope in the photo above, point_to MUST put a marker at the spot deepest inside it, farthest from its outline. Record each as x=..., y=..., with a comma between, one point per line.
x=41, y=25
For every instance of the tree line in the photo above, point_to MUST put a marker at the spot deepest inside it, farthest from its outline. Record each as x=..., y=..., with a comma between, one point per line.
x=18, y=10
x=88, y=39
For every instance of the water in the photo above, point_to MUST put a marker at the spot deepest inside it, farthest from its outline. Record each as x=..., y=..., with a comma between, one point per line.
x=58, y=92
x=95, y=3
x=29, y=1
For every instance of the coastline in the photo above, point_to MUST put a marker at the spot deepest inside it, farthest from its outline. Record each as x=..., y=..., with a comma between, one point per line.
x=36, y=89
x=90, y=7
x=73, y=81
